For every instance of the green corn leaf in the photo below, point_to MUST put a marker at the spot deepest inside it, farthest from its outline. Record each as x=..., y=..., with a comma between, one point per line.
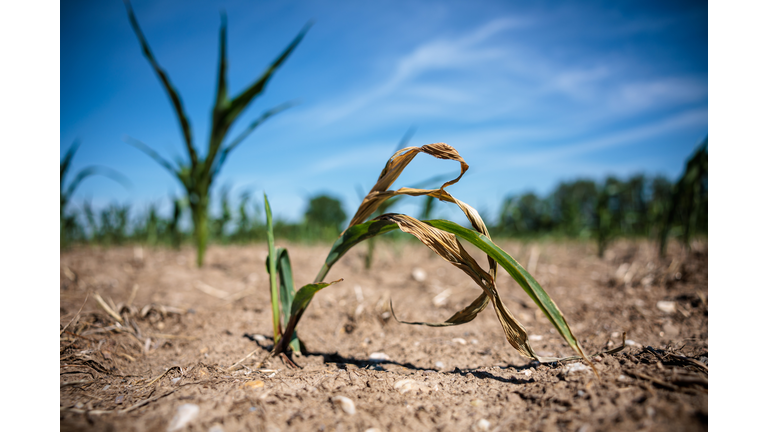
x=305, y=294
x=166, y=81
x=241, y=101
x=287, y=290
x=64, y=165
x=349, y=238
x=279, y=267
x=227, y=110
x=96, y=170
x=159, y=159
x=272, y=269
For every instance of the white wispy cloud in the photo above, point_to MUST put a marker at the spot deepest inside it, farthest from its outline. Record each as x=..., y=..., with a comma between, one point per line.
x=695, y=117
x=464, y=52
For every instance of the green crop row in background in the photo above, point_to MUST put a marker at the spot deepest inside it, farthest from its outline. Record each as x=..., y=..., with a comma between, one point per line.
x=639, y=206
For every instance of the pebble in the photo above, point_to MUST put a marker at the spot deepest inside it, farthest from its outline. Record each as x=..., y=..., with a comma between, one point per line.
x=405, y=385
x=184, y=414
x=216, y=428
x=442, y=298
x=666, y=306
x=440, y=365
x=175, y=380
x=419, y=275
x=671, y=330
x=378, y=357
x=574, y=367
x=345, y=404
x=459, y=341
x=483, y=425
x=252, y=385
x=534, y=337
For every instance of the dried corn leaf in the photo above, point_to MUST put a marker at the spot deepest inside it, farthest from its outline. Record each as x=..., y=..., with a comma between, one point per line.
x=392, y=170
x=448, y=247
x=395, y=166
x=461, y=317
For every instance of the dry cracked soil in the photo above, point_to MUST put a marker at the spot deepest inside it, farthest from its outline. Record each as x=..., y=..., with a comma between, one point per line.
x=163, y=359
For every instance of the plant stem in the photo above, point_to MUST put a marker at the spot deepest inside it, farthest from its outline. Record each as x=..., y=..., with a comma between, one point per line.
x=200, y=222
x=272, y=273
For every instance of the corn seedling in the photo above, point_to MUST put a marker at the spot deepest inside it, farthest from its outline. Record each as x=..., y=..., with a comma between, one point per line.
x=442, y=237
x=65, y=193
x=197, y=175
x=283, y=296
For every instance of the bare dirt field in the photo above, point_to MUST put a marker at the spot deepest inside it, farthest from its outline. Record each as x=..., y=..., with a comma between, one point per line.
x=164, y=360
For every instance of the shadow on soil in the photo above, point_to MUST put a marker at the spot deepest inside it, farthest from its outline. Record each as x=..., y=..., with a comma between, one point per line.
x=342, y=363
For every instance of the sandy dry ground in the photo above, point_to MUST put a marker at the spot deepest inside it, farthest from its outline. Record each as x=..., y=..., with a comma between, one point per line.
x=181, y=329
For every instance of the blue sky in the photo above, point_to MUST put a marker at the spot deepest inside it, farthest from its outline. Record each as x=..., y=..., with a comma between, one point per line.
x=530, y=94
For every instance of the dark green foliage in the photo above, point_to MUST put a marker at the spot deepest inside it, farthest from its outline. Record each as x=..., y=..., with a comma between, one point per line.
x=148, y=230
x=636, y=207
x=688, y=207
x=525, y=215
x=325, y=214
x=114, y=224
x=573, y=207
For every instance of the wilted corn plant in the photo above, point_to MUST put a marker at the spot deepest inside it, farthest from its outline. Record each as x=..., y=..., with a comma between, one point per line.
x=198, y=174
x=442, y=237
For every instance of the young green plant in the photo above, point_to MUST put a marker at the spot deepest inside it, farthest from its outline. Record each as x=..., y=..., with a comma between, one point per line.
x=198, y=174
x=284, y=296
